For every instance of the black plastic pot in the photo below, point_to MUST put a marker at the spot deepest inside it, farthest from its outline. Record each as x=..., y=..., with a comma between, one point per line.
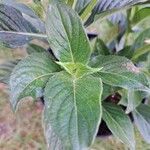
x=103, y=128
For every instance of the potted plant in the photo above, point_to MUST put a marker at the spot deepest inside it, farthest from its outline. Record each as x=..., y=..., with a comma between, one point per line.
x=81, y=81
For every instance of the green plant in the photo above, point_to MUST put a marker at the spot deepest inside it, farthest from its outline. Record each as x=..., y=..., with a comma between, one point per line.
x=76, y=79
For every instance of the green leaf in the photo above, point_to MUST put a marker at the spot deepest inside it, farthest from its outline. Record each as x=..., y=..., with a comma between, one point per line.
x=52, y=140
x=66, y=35
x=27, y=13
x=81, y=5
x=141, y=14
x=70, y=2
x=105, y=8
x=33, y=48
x=140, y=52
x=140, y=41
x=131, y=99
x=12, y=20
x=134, y=100
x=100, y=48
x=87, y=10
x=121, y=72
x=119, y=124
x=142, y=121
x=108, y=90
x=73, y=107
x=78, y=70
x=6, y=69
x=30, y=76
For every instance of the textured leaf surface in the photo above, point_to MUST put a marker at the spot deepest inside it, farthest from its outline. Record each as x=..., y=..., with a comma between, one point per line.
x=81, y=5
x=19, y=6
x=119, y=123
x=141, y=14
x=73, y=109
x=140, y=52
x=78, y=70
x=52, y=140
x=121, y=72
x=33, y=48
x=142, y=121
x=27, y=13
x=66, y=35
x=140, y=41
x=100, y=48
x=6, y=70
x=12, y=20
x=134, y=99
x=30, y=76
x=108, y=7
x=131, y=99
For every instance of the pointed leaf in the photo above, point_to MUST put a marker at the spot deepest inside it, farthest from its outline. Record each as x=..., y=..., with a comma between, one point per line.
x=30, y=76
x=73, y=109
x=142, y=121
x=120, y=71
x=66, y=35
x=12, y=20
x=119, y=123
x=105, y=8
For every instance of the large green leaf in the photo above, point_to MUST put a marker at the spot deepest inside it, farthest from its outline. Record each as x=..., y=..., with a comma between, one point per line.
x=73, y=107
x=30, y=76
x=121, y=72
x=12, y=20
x=142, y=121
x=105, y=8
x=119, y=123
x=27, y=13
x=66, y=35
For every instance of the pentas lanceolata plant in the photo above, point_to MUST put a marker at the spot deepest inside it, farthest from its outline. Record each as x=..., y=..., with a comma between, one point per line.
x=76, y=82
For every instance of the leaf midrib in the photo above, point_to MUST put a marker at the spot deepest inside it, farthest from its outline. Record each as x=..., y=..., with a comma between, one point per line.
x=75, y=104
x=142, y=85
x=35, y=80
x=117, y=124
x=62, y=22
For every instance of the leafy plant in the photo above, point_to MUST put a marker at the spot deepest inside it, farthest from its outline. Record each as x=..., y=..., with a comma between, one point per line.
x=79, y=81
